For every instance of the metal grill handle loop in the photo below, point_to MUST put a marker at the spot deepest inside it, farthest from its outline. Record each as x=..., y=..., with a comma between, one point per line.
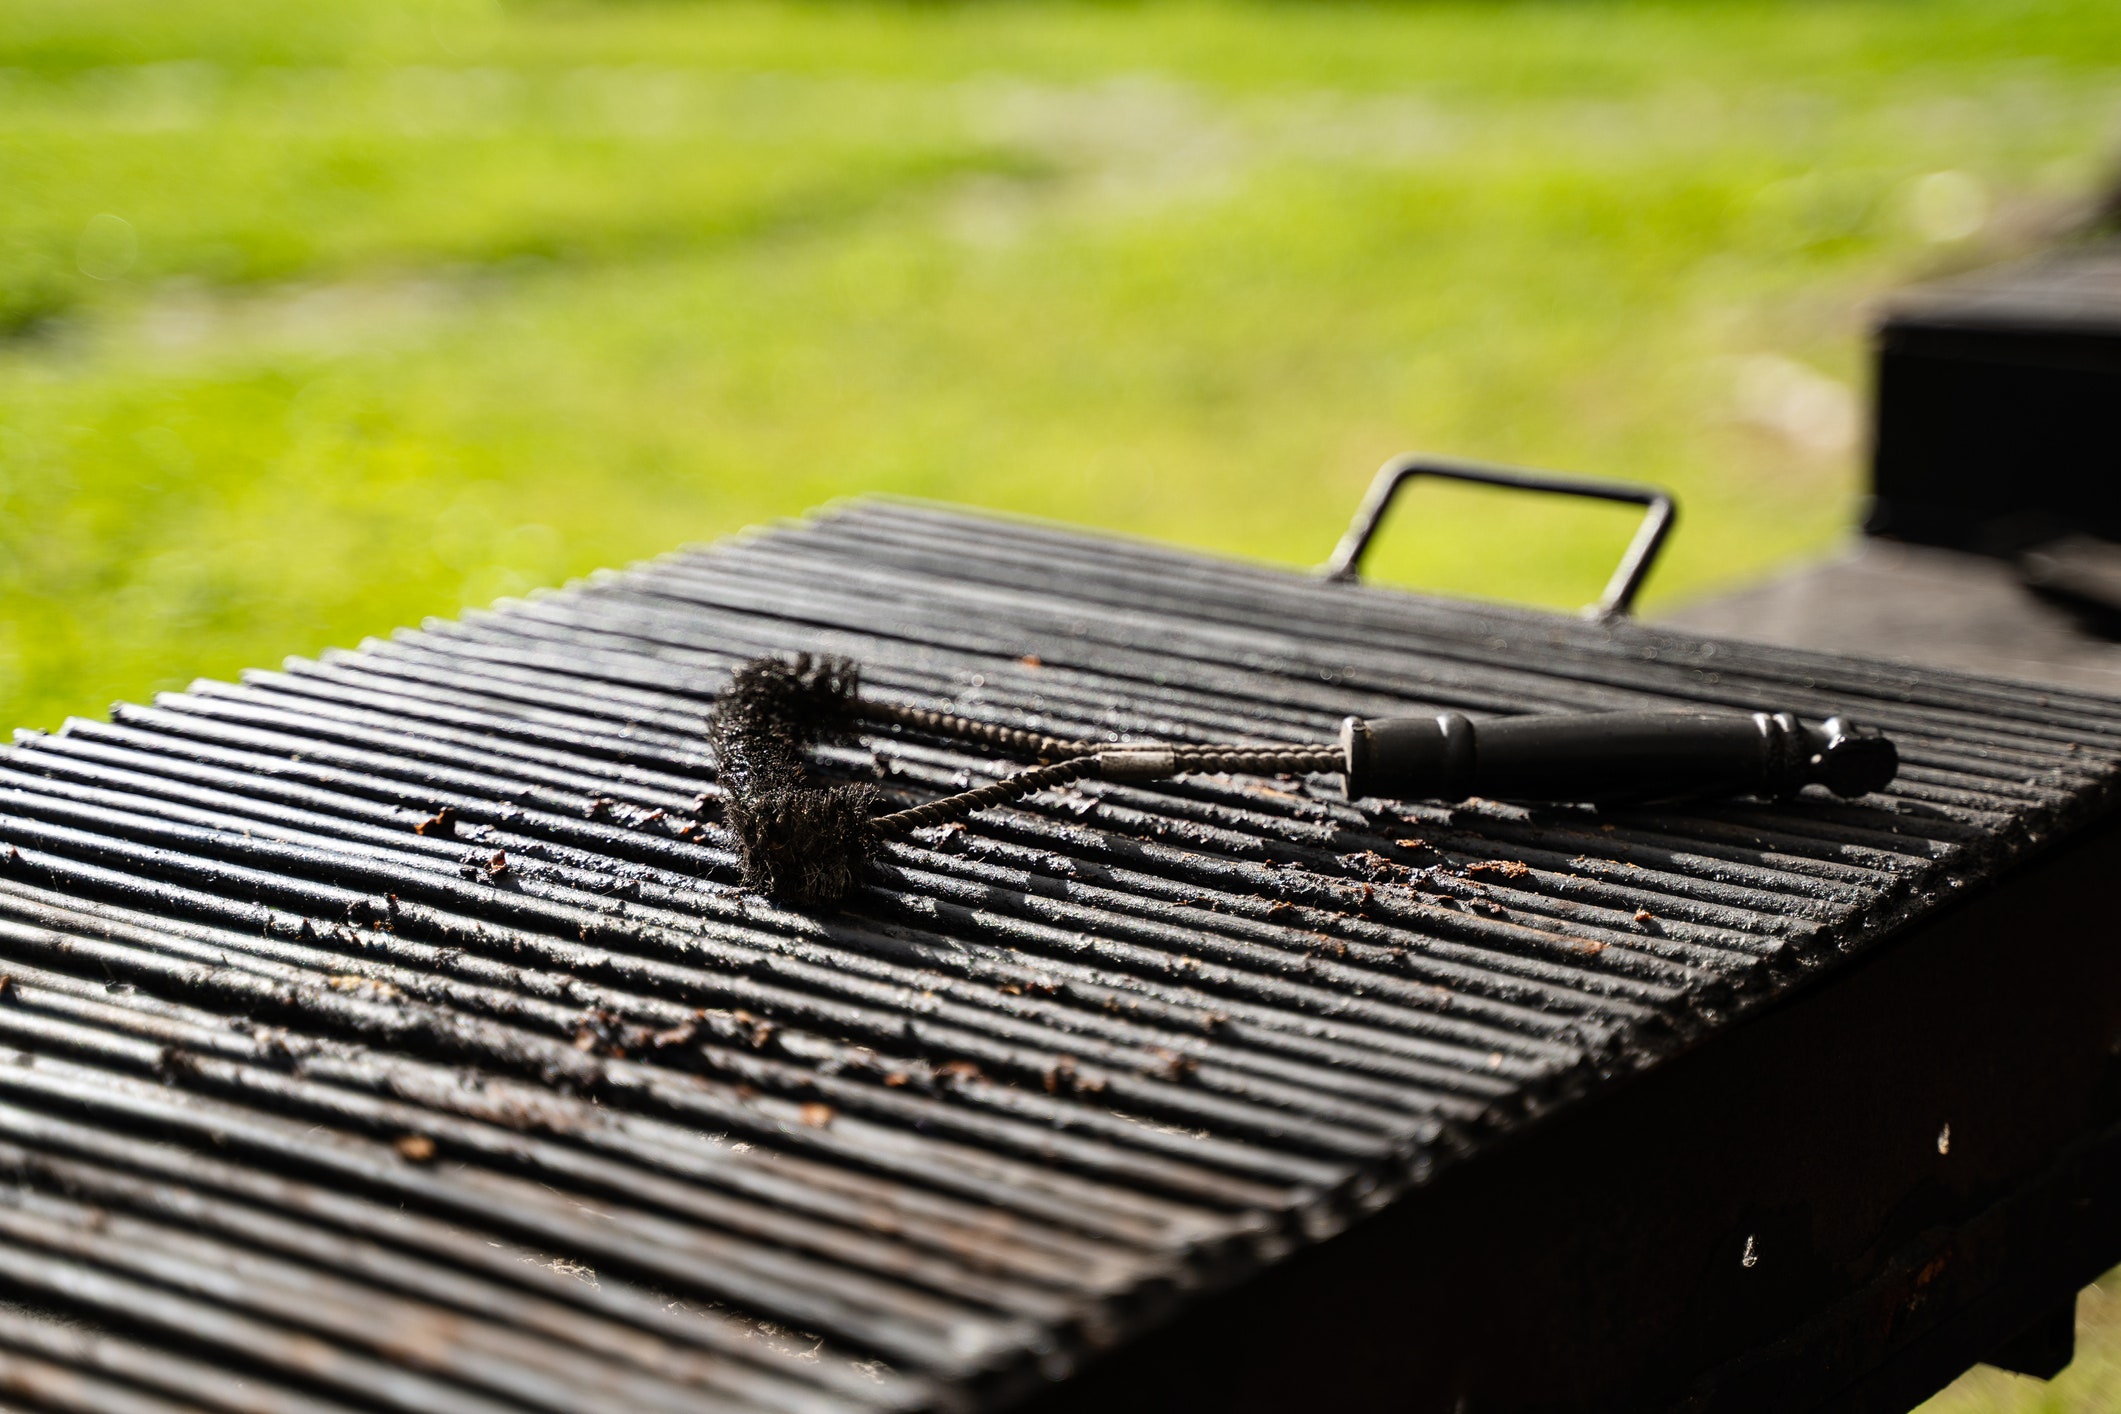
x=1619, y=597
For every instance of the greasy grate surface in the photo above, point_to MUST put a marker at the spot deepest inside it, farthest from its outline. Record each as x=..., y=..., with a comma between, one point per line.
x=386, y=1032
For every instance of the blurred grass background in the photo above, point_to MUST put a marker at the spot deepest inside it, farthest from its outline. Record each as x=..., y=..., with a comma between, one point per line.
x=318, y=318
x=315, y=319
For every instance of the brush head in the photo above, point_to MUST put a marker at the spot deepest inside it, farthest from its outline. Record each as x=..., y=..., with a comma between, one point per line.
x=806, y=847
x=797, y=841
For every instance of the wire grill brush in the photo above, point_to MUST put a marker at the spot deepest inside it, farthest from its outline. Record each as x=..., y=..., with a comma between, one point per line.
x=805, y=843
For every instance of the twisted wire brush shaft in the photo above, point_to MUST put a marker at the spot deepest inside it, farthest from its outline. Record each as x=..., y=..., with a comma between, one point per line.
x=1133, y=762
x=1114, y=763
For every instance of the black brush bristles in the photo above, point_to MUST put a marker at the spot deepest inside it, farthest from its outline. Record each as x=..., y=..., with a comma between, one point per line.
x=798, y=841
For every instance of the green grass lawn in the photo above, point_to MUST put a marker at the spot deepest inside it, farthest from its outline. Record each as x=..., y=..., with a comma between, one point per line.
x=318, y=318
x=2091, y=1384
x=315, y=319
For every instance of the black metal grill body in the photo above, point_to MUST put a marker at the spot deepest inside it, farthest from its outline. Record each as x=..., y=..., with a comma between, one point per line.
x=388, y=1031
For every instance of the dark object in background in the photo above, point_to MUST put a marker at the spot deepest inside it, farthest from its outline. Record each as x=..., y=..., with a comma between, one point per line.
x=1996, y=488
x=1999, y=406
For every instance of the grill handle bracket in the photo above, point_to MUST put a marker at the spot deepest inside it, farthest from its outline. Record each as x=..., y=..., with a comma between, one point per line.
x=1660, y=510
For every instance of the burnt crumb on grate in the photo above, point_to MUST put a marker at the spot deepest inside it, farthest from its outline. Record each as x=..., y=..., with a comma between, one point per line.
x=754, y=1031
x=441, y=824
x=1066, y=1077
x=798, y=842
x=1369, y=865
x=1170, y=1064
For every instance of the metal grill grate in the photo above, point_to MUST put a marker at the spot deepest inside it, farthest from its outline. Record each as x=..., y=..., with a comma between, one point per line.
x=386, y=1032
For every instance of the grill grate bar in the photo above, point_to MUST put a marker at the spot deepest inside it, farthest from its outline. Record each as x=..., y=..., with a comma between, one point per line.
x=80, y=1369
x=527, y=1288
x=488, y=1357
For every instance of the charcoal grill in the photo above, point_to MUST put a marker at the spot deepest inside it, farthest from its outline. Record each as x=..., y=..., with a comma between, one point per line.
x=387, y=1031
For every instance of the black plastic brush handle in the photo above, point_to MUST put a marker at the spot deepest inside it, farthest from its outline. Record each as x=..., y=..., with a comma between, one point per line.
x=1611, y=757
